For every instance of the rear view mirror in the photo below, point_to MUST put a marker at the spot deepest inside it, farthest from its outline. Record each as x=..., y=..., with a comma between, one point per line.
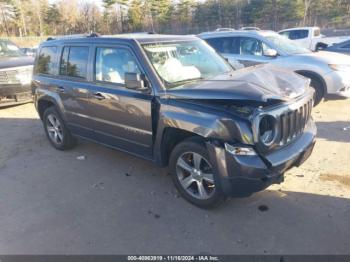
x=134, y=81
x=270, y=52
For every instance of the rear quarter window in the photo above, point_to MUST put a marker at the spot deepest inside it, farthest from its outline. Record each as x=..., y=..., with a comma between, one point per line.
x=46, y=60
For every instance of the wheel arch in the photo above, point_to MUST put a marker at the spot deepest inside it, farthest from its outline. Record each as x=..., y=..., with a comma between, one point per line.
x=45, y=102
x=313, y=75
x=171, y=137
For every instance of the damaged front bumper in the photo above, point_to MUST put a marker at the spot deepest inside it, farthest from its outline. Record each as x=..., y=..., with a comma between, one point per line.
x=242, y=175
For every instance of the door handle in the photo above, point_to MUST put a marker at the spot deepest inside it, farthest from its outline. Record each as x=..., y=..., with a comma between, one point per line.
x=99, y=96
x=60, y=89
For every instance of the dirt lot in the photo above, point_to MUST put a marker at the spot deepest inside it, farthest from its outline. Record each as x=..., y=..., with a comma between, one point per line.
x=53, y=203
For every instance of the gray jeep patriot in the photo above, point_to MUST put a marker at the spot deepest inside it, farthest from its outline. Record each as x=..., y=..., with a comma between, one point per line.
x=175, y=101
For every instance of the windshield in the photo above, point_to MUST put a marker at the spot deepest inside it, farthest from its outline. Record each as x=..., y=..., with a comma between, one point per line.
x=286, y=45
x=180, y=62
x=7, y=48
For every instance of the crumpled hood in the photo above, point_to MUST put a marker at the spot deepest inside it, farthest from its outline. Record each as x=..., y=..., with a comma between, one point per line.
x=8, y=62
x=327, y=57
x=259, y=84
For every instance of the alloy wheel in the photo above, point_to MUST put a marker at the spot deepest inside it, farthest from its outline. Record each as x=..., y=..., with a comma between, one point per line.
x=54, y=129
x=195, y=175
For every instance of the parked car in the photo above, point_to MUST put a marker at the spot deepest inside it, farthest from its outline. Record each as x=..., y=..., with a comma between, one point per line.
x=311, y=37
x=329, y=72
x=173, y=100
x=29, y=51
x=343, y=47
x=15, y=74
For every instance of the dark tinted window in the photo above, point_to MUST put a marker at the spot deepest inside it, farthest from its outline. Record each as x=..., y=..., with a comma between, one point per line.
x=227, y=45
x=46, y=63
x=346, y=45
x=74, y=61
x=285, y=34
x=64, y=61
x=112, y=64
x=298, y=34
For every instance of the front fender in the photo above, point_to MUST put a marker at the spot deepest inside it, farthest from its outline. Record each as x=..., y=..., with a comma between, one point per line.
x=211, y=125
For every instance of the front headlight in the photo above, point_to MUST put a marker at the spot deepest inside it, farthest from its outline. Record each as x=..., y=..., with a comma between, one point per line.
x=267, y=130
x=339, y=67
x=24, y=76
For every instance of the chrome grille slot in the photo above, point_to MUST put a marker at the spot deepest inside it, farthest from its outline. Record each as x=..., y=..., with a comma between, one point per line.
x=3, y=77
x=9, y=77
x=284, y=128
x=293, y=122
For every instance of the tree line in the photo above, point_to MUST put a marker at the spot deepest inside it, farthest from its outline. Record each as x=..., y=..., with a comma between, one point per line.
x=41, y=17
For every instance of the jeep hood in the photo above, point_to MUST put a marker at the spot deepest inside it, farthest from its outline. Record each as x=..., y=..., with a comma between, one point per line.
x=8, y=62
x=262, y=84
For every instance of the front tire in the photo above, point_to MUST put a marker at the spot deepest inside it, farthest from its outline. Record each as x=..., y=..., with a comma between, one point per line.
x=319, y=90
x=194, y=175
x=56, y=130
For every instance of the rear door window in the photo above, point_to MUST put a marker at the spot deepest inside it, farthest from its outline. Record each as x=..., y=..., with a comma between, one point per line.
x=46, y=60
x=225, y=45
x=74, y=61
x=285, y=34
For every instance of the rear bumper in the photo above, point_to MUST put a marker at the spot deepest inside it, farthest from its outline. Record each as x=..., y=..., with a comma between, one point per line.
x=241, y=176
x=13, y=89
x=14, y=94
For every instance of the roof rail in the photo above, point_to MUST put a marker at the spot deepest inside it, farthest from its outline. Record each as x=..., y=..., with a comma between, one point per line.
x=250, y=28
x=141, y=33
x=224, y=29
x=92, y=34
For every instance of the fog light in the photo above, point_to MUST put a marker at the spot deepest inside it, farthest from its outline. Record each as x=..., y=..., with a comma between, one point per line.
x=241, y=151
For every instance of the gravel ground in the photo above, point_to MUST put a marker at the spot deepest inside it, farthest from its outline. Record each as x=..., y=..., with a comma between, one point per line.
x=113, y=203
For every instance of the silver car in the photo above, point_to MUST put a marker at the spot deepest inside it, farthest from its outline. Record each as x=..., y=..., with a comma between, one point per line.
x=329, y=72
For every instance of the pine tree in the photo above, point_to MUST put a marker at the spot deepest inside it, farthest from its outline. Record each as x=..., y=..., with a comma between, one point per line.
x=135, y=15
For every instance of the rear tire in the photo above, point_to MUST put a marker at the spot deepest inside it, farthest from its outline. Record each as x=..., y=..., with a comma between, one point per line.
x=193, y=174
x=319, y=90
x=56, y=130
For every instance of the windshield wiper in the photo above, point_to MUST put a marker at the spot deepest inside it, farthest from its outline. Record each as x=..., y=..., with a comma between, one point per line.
x=177, y=83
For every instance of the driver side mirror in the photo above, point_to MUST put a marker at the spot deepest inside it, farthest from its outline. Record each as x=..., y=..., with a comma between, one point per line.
x=134, y=81
x=270, y=52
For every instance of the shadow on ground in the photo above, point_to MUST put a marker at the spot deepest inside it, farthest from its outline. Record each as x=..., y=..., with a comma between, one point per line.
x=113, y=203
x=338, y=131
